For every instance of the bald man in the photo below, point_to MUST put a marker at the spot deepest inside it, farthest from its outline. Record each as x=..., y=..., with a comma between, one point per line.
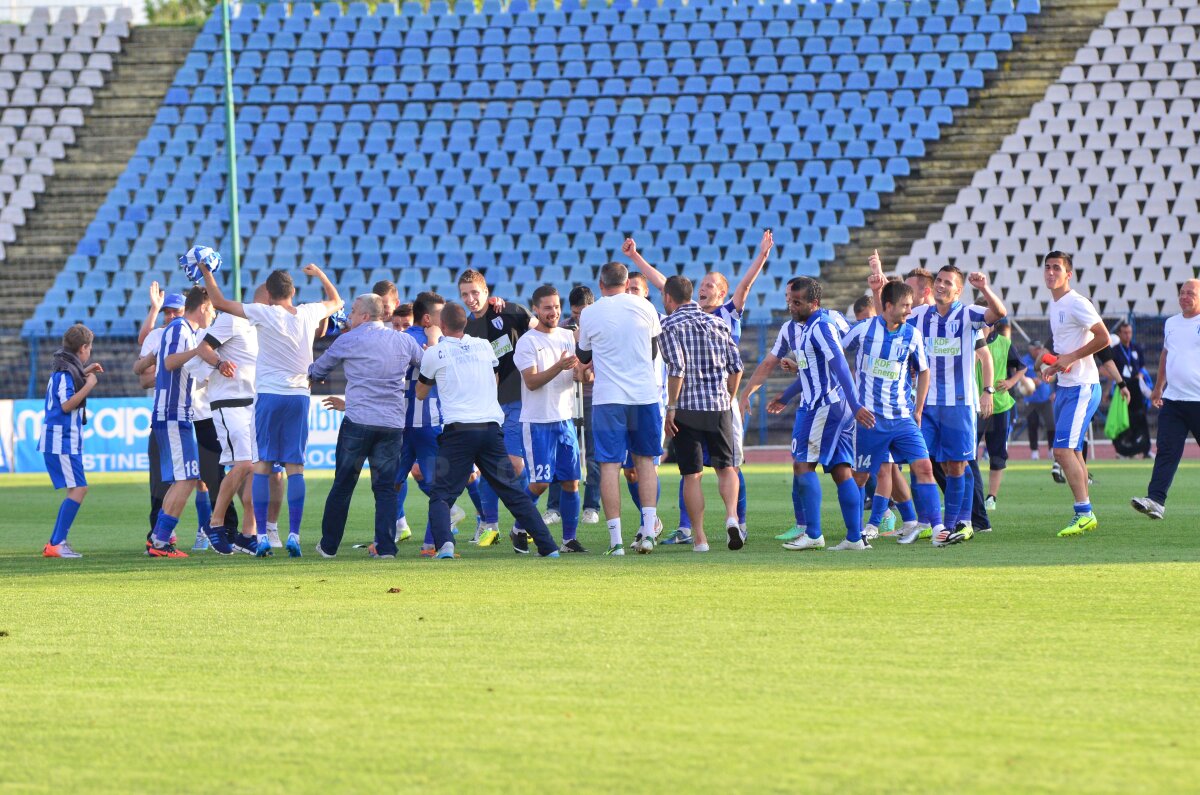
x=1177, y=396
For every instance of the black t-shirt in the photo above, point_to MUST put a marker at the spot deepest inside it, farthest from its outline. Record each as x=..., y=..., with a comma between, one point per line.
x=503, y=329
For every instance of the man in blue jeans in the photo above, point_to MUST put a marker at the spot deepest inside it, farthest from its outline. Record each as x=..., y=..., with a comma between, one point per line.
x=375, y=359
x=465, y=370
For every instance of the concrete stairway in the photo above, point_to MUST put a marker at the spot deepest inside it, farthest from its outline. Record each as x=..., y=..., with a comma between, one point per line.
x=122, y=114
x=1035, y=62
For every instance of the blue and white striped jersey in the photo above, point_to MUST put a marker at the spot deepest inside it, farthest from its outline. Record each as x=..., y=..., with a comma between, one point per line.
x=883, y=365
x=815, y=343
x=421, y=413
x=62, y=431
x=173, y=390
x=950, y=349
x=729, y=314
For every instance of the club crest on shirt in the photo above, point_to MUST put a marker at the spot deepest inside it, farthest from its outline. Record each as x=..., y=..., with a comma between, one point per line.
x=954, y=328
x=498, y=322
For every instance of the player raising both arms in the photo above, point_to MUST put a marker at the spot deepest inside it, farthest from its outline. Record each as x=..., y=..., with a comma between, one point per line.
x=714, y=297
x=285, y=340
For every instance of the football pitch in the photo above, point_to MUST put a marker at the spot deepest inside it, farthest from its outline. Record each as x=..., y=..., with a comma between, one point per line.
x=1016, y=662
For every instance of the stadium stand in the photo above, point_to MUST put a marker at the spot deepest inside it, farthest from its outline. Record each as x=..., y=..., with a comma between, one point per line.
x=48, y=71
x=407, y=145
x=1106, y=166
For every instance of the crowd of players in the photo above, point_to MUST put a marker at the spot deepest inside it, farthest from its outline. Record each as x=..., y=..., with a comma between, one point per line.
x=484, y=396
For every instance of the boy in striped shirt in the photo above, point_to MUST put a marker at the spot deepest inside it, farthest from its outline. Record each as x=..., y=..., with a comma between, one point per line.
x=889, y=351
x=61, y=442
x=950, y=329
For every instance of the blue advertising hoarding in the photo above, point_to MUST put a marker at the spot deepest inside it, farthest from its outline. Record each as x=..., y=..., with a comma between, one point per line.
x=116, y=436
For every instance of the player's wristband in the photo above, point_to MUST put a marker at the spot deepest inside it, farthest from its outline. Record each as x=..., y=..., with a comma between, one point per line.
x=1121, y=385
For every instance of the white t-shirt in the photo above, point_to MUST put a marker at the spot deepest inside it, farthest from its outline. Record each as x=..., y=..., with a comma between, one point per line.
x=1181, y=341
x=150, y=348
x=1071, y=321
x=200, y=371
x=153, y=340
x=285, y=344
x=236, y=340
x=465, y=373
x=617, y=329
x=555, y=400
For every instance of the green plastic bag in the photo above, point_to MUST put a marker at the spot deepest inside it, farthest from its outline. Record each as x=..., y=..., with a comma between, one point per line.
x=1118, y=416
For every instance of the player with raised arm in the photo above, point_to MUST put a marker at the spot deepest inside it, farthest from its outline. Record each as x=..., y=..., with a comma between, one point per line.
x=823, y=433
x=1078, y=332
x=954, y=404
x=889, y=351
x=545, y=357
x=714, y=297
x=61, y=440
x=285, y=342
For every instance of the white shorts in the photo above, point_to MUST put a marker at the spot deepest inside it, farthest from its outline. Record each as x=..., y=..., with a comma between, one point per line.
x=739, y=433
x=235, y=429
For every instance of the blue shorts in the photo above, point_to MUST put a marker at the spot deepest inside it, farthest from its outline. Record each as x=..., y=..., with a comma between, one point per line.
x=1074, y=407
x=824, y=435
x=178, y=456
x=514, y=441
x=551, y=451
x=66, y=471
x=281, y=428
x=950, y=432
x=618, y=429
x=900, y=437
x=419, y=447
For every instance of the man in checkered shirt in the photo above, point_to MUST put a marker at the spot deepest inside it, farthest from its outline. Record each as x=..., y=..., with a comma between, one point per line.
x=704, y=369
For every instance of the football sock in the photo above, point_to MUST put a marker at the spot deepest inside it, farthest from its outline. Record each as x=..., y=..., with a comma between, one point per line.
x=811, y=484
x=929, y=503
x=634, y=493
x=908, y=511
x=401, y=496
x=203, y=510
x=568, y=506
x=850, y=500
x=1083, y=507
x=614, y=533
x=954, y=496
x=798, y=500
x=165, y=527
x=260, y=493
x=295, y=499
x=741, y=500
x=428, y=535
x=968, y=500
x=879, y=506
x=473, y=493
x=489, y=502
x=649, y=520
x=62, y=525
x=685, y=521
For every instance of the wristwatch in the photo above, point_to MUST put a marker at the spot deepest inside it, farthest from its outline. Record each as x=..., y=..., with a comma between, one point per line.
x=672, y=408
x=991, y=390
x=1121, y=385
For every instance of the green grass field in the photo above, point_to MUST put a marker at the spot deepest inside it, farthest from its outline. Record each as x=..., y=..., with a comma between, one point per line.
x=1017, y=662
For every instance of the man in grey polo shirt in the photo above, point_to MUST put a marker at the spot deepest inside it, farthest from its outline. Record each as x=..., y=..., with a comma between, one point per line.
x=375, y=359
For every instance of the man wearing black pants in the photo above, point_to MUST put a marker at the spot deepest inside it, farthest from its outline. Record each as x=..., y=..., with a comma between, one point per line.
x=464, y=369
x=1039, y=410
x=1130, y=360
x=1177, y=396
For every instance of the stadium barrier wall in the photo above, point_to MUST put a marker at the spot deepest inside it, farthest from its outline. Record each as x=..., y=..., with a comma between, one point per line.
x=115, y=438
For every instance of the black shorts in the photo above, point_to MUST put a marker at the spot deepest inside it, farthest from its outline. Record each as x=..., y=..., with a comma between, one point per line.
x=699, y=430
